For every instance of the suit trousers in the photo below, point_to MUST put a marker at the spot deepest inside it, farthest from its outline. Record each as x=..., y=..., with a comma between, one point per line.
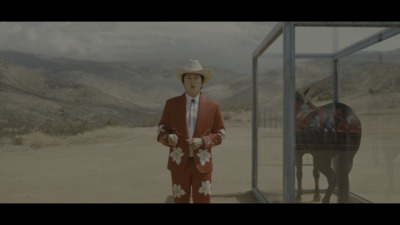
x=191, y=182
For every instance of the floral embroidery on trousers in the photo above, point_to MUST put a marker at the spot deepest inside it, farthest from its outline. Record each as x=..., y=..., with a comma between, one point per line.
x=194, y=184
x=205, y=188
x=178, y=191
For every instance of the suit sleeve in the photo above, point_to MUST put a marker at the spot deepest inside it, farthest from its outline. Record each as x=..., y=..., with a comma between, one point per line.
x=164, y=127
x=217, y=131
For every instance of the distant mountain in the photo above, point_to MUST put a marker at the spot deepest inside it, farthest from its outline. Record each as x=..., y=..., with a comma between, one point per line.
x=31, y=101
x=237, y=94
x=37, y=90
x=392, y=56
x=145, y=84
x=370, y=73
x=362, y=78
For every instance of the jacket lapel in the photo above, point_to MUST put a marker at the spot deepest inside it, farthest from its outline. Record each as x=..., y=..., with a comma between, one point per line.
x=182, y=114
x=200, y=116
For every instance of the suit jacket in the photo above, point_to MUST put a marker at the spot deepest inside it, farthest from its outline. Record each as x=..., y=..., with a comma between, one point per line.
x=209, y=127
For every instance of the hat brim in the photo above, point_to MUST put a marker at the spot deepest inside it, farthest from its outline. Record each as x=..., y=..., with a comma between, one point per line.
x=207, y=73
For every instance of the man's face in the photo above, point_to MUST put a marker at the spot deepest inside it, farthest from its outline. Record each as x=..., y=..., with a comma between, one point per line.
x=192, y=83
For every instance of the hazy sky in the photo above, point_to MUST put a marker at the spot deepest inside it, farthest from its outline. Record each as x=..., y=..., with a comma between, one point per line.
x=226, y=45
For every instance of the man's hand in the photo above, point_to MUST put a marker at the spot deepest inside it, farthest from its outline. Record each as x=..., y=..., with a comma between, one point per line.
x=195, y=143
x=172, y=139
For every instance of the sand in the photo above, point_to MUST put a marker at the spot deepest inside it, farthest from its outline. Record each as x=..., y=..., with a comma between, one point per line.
x=126, y=168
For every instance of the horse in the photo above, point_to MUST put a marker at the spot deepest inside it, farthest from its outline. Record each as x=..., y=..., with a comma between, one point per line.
x=326, y=132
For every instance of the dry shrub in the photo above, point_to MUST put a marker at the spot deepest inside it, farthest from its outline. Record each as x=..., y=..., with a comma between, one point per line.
x=39, y=139
x=5, y=140
x=111, y=122
x=150, y=121
x=65, y=129
x=227, y=115
x=11, y=140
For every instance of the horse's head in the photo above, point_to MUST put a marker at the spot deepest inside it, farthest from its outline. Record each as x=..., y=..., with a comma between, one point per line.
x=301, y=96
x=302, y=104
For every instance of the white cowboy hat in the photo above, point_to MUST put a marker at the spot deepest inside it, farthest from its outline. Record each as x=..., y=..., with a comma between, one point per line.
x=193, y=66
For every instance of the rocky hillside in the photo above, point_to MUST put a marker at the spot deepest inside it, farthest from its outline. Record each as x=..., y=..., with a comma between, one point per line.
x=367, y=77
x=32, y=101
x=145, y=84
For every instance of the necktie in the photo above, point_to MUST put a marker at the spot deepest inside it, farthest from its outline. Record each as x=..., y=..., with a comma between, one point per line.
x=191, y=117
x=192, y=120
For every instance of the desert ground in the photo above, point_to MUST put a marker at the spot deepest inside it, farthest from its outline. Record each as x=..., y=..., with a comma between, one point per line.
x=115, y=165
x=127, y=165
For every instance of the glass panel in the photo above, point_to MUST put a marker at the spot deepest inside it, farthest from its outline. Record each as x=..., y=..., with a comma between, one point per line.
x=354, y=138
x=270, y=132
x=370, y=84
x=369, y=106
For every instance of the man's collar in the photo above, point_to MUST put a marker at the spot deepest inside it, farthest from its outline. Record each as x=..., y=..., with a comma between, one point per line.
x=188, y=97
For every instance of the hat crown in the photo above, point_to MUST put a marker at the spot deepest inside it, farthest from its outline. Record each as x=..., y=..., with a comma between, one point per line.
x=193, y=65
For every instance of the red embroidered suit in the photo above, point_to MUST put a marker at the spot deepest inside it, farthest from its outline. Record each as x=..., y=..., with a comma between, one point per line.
x=209, y=127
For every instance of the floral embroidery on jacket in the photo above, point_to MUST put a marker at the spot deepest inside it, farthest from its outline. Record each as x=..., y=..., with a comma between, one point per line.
x=176, y=155
x=160, y=129
x=178, y=192
x=205, y=188
x=222, y=134
x=204, y=156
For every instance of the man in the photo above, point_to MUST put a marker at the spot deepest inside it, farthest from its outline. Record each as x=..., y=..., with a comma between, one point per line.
x=191, y=124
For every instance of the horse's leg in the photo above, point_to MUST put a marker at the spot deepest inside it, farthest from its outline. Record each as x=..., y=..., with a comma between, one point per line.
x=324, y=166
x=317, y=196
x=345, y=163
x=299, y=174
